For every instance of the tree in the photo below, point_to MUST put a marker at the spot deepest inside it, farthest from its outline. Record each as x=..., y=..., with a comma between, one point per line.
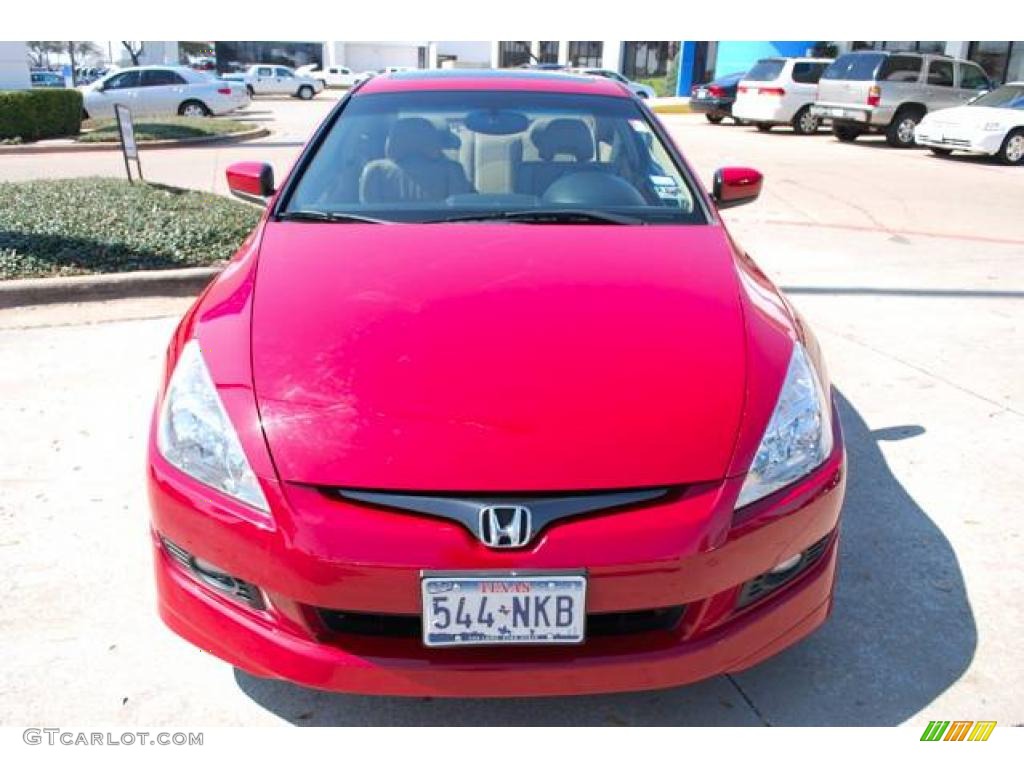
x=134, y=48
x=85, y=49
x=39, y=51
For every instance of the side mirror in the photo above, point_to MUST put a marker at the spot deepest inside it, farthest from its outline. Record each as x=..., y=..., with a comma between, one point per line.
x=736, y=186
x=253, y=182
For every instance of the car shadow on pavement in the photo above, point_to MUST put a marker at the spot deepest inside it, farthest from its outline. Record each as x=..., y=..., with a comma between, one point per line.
x=902, y=631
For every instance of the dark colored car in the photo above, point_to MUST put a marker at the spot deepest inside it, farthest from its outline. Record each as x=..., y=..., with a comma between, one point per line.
x=715, y=99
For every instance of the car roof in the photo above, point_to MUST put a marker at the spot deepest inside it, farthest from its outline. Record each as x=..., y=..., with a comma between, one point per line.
x=175, y=67
x=493, y=79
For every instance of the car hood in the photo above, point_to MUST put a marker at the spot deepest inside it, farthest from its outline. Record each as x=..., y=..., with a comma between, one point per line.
x=508, y=357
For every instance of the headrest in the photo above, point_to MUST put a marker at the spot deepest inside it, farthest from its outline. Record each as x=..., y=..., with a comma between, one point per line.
x=413, y=137
x=563, y=136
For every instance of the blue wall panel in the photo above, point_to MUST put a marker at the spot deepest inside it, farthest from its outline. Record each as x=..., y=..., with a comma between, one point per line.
x=739, y=55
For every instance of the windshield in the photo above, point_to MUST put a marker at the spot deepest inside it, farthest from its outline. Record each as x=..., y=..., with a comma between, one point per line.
x=765, y=70
x=1006, y=96
x=854, y=66
x=432, y=156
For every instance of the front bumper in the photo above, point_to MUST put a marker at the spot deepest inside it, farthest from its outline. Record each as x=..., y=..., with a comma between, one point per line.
x=957, y=138
x=329, y=554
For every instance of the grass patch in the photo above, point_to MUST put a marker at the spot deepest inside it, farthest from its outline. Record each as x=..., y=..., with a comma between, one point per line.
x=92, y=225
x=661, y=85
x=163, y=128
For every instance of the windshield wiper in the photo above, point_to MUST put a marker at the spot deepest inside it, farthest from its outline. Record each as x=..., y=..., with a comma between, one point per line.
x=340, y=218
x=545, y=216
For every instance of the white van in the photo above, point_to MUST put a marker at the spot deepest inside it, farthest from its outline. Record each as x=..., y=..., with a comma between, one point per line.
x=780, y=91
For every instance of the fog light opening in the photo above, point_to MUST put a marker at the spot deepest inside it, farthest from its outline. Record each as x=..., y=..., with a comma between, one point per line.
x=788, y=564
x=784, y=572
x=215, y=578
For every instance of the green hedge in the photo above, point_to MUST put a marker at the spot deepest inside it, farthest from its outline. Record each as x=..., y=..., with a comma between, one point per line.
x=87, y=225
x=40, y=114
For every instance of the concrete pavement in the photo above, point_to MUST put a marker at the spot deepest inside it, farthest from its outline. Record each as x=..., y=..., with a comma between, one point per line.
x=923, y=338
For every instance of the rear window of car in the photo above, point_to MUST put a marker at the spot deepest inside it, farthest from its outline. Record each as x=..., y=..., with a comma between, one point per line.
x=419, y=157
x=854, y=66
x=765, y=70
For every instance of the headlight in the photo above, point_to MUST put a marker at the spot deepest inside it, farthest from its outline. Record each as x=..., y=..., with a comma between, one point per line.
x=799, y=434
x=195, y=434
x=993, y=126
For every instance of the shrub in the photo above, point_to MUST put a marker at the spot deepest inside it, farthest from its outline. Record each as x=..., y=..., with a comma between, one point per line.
x=88, y=225
x=40, y=114
x=158, y=128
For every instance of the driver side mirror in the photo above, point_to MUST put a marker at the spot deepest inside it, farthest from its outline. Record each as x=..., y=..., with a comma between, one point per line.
x=250, y=181
x=736, y=186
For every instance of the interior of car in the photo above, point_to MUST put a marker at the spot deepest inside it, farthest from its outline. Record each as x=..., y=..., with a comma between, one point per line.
x=492, y=156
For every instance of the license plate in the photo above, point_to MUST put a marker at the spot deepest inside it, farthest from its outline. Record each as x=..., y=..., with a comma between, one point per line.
x=504, y=609
x=702, y=93
x=838, y=112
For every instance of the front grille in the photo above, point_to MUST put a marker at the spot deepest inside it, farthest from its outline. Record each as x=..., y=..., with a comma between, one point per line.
x=404, y=625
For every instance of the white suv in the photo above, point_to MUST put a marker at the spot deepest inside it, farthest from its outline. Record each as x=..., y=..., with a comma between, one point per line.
x=780, y=91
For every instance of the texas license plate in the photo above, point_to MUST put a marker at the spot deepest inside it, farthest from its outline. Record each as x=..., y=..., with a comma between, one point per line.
x=504, y=609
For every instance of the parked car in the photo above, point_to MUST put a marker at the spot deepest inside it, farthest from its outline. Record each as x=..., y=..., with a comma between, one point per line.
x=334, y=76
x=641, y=90
x=42, y=79
x=543, y=400
x=991, y=124
x=715, y=99
x=780, y=91
x=273, y=79
x=163, y=90
x=891, y=92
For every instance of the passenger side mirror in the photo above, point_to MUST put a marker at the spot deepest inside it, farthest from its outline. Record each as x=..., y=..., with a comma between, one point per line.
x=736, y=186
x=250, y=181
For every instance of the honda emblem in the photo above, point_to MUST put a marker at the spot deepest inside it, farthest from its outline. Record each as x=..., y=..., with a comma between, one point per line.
x=503, y=526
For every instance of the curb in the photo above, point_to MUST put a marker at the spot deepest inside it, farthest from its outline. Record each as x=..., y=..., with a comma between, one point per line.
x=114, y=146
x=672, y=109
x=124, y=285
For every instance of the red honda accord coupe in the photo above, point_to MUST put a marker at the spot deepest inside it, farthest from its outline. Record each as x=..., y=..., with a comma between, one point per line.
x=491, y=404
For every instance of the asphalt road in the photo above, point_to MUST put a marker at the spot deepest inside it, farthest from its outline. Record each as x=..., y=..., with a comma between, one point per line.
x=910, y=268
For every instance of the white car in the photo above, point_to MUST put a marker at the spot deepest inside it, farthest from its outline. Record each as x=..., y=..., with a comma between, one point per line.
x=641, y=90
x=334, y=77
x=991, y=124
x=780, y=91
x=162, y=90
x=275, y=80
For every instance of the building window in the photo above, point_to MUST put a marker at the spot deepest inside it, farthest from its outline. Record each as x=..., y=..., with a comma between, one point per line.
x=548, y=52
x=1003, y=60
x=585, y=53
x=648, y=59
x=513, y=53
x=918, y=46
x=235, y=55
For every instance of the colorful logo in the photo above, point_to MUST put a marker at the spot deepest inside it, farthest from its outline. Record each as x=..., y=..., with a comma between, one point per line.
x=958, y=730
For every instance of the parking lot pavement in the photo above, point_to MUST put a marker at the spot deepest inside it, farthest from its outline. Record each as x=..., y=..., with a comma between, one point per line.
x=923, y=339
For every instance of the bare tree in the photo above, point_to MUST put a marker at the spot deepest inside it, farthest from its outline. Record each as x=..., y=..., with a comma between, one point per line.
x=134, y=48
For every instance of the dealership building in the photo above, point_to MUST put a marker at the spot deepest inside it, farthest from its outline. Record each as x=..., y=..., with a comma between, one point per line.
x=697, y=61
